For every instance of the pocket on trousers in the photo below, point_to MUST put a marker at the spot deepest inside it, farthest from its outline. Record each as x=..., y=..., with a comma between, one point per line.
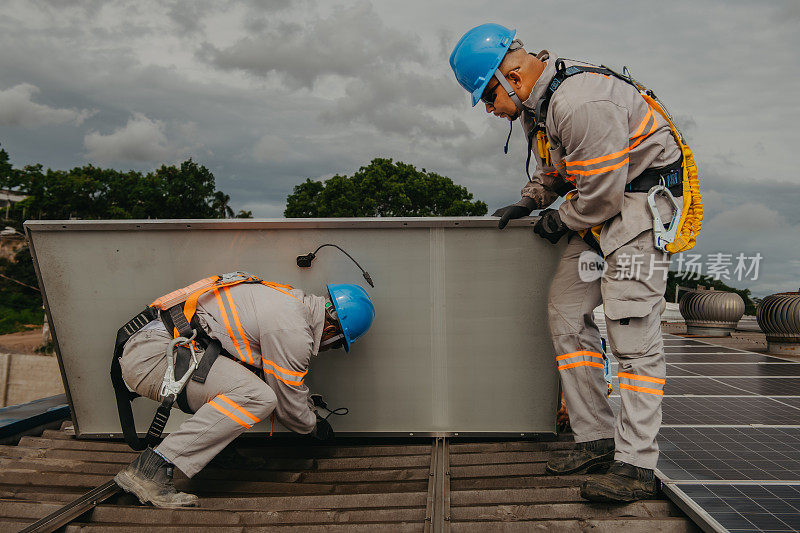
x=626, y=322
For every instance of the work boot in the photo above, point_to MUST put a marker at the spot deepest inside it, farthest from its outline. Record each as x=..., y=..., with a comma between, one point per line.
x=587, y=457
x=623, y=483
x=149, y=478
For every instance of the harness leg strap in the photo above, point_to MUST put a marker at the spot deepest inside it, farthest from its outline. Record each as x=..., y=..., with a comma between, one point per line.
x=159, y=421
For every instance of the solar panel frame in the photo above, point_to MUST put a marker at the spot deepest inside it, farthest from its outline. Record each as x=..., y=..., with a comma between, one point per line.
x=742, y=507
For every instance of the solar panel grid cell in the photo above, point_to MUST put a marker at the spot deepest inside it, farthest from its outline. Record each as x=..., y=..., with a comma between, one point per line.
x=742, y=508
x=747, y=453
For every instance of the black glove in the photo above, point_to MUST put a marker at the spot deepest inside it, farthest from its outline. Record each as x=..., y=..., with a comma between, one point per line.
x=318, y=400
x=549, y=226
x=510, y=212
x=323, y=430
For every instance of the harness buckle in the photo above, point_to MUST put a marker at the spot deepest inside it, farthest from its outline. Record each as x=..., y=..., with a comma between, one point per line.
x=663, y=236
x=230, y=277
x=170, y=386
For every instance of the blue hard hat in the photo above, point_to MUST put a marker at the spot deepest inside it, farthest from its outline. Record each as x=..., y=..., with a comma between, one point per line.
x=478, y=54
x=354, y=310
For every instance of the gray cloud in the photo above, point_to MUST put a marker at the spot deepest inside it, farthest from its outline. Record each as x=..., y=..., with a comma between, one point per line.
x=141, y=139
x=268, y=93
x=350, y=42
x=17, y=108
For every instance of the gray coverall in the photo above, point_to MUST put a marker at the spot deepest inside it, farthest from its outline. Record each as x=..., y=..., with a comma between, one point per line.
x=275, y=330
x=602, y=135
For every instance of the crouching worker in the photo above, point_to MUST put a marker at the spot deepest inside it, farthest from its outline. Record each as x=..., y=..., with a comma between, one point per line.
x=265, y=335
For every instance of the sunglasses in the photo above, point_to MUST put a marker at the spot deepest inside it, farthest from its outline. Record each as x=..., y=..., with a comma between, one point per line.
x=490, y=95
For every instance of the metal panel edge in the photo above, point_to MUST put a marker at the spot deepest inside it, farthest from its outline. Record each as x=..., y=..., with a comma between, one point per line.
x=270, y=223
x=52, y=328
x=699, y=516
x=532, y=436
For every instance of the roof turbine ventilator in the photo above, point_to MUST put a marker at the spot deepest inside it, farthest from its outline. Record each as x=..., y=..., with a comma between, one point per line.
x=711, y=313
x=778, y=316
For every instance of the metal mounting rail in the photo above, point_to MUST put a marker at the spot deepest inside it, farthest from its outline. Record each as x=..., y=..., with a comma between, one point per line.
x=437, y=513
x=74, y=509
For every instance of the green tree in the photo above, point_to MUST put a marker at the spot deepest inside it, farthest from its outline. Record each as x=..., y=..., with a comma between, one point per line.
x=383, y=189
x=89, y=192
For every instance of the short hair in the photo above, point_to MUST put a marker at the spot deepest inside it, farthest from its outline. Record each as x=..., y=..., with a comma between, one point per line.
x=513, y=50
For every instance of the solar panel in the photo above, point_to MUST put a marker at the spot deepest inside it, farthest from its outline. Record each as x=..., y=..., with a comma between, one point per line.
x=699, y=349
x=740, y=508
x=699, y=410
x=743, y=369
x=698, y=386
x=672, y=370
x=682, y=342
x=719, y=358
x=765, y=386
x=794, y=402
x=746, y=453
x=711, y=411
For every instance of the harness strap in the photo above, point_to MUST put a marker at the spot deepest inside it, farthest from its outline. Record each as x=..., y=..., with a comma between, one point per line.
x=122, y=394
x=670, y=176
x=159, y=421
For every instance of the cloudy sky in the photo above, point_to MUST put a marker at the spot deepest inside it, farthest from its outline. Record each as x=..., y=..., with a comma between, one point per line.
x=269, y=93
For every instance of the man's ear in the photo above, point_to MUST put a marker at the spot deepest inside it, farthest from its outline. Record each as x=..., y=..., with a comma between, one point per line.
x=514, y=79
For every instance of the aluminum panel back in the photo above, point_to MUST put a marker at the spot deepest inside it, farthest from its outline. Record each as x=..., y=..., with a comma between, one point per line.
x=459, y=344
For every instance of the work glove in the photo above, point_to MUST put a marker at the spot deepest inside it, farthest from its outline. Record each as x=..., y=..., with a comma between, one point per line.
x=323, y=430
x=549, y=226
x=510, y=212
x=317, y=401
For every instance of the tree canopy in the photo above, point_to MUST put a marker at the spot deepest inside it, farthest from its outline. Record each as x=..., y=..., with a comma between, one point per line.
x=176, y=191
x=383, y=189
x=89, y=192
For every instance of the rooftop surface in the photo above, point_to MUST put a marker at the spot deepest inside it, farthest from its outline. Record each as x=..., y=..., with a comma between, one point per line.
x=446, y=484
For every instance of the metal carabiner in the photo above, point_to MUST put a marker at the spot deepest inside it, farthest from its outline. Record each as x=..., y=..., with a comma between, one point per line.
x=663, y=236
x=171, y=386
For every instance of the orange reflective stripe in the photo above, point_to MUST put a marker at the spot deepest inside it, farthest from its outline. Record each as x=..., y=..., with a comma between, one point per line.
x=601, y=170
x=177, y=295
x=640, y=129
x=284, y=370
x=582, y=363
x=276, y=287
x=641, y=389
x=239, y=325
x=637, y=377
x=230, y=415
x=597, y=159
x=228, y=324
x=643, y=137
x=295, y=383
x=236, y=406
x=576, y=354
x=273, y=285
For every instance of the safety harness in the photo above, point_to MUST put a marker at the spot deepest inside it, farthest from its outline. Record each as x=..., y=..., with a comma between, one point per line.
x=178, y=312
x=677, y=179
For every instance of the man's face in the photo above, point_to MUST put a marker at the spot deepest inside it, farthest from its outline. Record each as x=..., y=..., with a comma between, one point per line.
x=496, y=99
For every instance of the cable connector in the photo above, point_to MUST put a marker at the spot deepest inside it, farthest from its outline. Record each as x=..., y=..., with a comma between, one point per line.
x=304, y=261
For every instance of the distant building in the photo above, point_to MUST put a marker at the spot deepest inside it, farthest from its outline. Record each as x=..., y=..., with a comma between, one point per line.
x=7, y=201
x=8, y=198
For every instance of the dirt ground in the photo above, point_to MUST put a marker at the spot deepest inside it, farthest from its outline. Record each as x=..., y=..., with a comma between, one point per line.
x=22, y=342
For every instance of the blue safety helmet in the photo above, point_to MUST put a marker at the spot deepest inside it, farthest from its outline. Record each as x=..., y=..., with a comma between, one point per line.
x=354, y=310
x=478, y=54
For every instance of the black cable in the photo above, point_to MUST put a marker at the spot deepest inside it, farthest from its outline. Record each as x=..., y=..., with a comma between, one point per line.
x=310, y=257
x=337, y=411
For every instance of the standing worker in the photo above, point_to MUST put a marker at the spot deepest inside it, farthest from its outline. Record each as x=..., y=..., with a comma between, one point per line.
x=266, y=333
x=606, y=143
